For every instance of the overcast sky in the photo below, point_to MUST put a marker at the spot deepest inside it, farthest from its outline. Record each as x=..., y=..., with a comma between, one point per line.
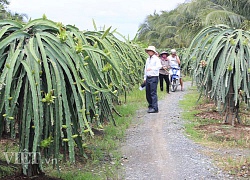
x=123, y=15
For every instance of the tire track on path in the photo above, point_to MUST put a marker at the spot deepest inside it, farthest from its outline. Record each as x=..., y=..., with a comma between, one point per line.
x=156, y=148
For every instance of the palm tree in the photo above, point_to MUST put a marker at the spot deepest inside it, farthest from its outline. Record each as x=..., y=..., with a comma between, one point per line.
x=178, y=27
x=148, y=30
x=6, y=14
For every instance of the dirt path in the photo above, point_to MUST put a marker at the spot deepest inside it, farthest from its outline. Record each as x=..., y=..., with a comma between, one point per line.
x=157, y=149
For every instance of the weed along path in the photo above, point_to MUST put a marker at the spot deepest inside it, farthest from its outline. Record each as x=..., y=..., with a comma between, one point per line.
x=157, y=149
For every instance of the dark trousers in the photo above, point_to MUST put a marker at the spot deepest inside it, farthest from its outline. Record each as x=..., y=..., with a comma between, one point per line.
x=151, y=92
x=166, y=78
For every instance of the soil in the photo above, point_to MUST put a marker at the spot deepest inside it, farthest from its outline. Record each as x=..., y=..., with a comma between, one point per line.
x=156, y=147
x=228, y=132
x=18, y=175
x=234, y=160
x=21, y=177
x=225, y=131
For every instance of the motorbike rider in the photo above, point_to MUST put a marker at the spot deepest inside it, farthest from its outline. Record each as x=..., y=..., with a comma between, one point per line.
x=175, y=61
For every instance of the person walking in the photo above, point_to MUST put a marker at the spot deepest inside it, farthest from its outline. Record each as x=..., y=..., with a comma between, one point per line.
x=164, y=71
x=174, y=60
x=151, y=75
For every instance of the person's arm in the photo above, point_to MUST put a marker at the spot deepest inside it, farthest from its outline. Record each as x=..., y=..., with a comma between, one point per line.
x=158, y=64
x=162, y=65
x=178, y=60
x=168, y=59
x=145, y=71
x=168, y=64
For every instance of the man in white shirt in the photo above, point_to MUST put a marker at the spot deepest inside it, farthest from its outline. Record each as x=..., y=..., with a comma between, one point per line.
x=151, y=74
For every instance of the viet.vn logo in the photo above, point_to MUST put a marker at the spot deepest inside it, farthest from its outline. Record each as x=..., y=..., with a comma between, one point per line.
x=26, y=157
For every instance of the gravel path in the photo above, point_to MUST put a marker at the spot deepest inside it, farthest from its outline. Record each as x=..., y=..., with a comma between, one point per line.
x=157, y=149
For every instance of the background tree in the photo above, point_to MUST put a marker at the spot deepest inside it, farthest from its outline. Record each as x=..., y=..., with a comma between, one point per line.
x=178, y=27
x=6, y=14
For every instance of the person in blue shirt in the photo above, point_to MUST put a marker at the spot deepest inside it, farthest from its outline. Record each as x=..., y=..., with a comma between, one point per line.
x=151, y=75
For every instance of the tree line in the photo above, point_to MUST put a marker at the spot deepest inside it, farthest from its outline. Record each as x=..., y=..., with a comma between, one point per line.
x=177, y=28
x=5, y=13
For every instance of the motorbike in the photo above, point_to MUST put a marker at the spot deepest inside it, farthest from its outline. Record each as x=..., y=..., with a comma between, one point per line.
x=174, y=78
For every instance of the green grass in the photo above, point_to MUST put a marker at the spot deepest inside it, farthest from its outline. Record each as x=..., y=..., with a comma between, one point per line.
x=186, y=78
x=105, y=160
x=80, y=176
x=6, y=170
x=10, y=147
x=230, y=163
x=187, y=104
